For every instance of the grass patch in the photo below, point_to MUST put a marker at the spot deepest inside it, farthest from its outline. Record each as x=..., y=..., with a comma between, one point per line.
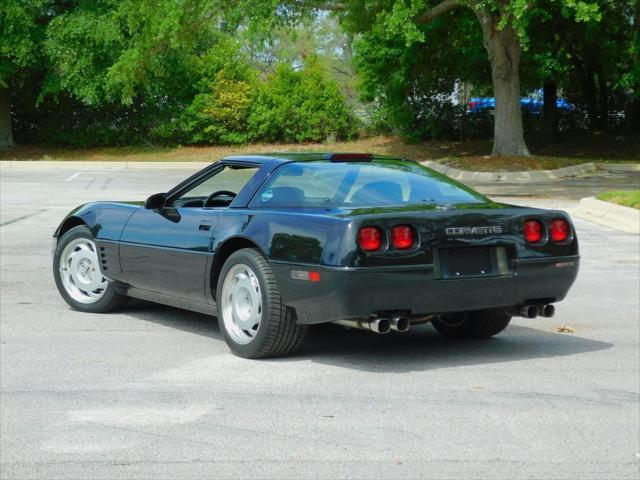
x=627, y=198
x=466, y=155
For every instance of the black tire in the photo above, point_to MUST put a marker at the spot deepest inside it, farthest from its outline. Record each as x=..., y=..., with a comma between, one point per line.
x=110, y=300
x=278, y=333
x=478, y=324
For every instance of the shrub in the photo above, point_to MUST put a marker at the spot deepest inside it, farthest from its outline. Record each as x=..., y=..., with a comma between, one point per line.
x=434, y=118
x=216, y=98
x=300, y=106
x=220, y=116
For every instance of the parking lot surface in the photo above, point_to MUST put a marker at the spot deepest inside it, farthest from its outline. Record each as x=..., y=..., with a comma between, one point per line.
x=153, y=392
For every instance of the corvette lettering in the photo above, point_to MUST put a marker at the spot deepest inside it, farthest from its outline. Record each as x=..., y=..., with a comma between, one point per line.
x=473, y=230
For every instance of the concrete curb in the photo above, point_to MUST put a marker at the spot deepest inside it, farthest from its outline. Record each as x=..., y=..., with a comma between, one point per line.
x=527, y=176
x=619, y=167
x=608, y=214
x=531, y=175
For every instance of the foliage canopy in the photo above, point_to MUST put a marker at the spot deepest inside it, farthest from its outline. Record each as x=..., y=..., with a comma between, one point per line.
x=212, y=71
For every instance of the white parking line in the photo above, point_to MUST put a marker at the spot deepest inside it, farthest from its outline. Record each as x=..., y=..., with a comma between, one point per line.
x=74, y=176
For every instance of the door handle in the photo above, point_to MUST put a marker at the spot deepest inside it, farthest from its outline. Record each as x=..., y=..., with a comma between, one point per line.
x=205, y=227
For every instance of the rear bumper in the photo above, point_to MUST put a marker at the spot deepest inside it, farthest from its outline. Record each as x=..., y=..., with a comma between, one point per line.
x=347, y=292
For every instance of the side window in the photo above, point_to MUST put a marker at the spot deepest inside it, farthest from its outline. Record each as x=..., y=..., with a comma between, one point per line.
x=296, y=185
x=228, y=181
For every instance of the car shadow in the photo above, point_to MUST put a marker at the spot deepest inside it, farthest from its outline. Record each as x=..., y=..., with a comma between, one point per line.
x=420, y=349
x=423, y=348
x=185, y=320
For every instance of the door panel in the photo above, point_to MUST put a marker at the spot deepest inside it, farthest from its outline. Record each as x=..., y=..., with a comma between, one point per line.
x=166, y=250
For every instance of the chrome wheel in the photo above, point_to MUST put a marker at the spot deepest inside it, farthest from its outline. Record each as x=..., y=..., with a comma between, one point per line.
x=80, y=271
x=241, y=303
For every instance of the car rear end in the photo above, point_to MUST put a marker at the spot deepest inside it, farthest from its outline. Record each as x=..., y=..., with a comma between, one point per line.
x=440, y=260
x=407, y=242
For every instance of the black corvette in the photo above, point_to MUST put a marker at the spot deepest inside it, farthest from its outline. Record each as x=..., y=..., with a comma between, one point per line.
x=272, y=244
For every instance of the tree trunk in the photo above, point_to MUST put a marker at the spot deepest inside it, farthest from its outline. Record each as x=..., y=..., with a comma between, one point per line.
x=589, y=89
x=632, y=118
x=503, y=47
x=550, y=90
x=6, y=134
x=603, y=96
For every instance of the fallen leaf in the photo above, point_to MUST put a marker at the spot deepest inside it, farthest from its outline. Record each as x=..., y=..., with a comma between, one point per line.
x=564, y=329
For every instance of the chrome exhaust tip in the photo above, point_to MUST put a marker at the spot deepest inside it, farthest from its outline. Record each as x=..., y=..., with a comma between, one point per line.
x=375, y=325
x=379, y=325
x=528, y=311
x=400, y=324
x=546, y=310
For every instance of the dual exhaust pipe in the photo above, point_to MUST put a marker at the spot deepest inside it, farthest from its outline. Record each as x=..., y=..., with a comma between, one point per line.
x=383, y=325
x=379, y=325
x=532, y=311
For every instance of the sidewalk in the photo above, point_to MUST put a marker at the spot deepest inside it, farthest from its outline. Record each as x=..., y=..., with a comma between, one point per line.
x=608, y=214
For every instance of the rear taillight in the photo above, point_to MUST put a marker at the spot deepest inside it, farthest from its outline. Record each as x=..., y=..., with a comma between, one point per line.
x=402, y=237
x=370, y=239
x=559, y=230
x=472, y=105
x=533, y=231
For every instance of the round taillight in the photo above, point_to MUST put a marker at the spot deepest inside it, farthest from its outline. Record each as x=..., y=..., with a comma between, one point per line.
x=533, y=231
x=370, y=238
x=559, y=230
x=402, y=237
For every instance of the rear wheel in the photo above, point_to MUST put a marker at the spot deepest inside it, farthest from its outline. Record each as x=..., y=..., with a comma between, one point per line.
x=253, y=320
x=478, y=324
x=77, y=273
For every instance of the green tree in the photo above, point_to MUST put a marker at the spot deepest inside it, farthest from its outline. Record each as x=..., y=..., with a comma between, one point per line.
x=503, y=24
x=136, y=59
x=590, y=62
x=321, y=36
x=21, y=32
x=112, y=50
x=113, y=71
x=411, y=85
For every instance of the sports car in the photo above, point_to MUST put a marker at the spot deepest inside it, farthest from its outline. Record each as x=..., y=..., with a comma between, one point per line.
x=271, y=244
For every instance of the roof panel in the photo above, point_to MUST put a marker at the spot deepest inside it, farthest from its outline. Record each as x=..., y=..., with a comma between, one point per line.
x=301, y=156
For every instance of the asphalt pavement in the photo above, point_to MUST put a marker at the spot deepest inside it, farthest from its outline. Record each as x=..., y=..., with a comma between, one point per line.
x=152, y=392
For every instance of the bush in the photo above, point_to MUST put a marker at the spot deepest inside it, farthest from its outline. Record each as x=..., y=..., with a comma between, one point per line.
x=222, y=101
x=235, y=107
x=220, y=116
x=300, y=106
x=70, y=123
x=431, y=119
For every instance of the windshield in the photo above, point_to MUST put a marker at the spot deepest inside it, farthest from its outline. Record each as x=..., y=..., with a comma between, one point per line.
x=357, y=185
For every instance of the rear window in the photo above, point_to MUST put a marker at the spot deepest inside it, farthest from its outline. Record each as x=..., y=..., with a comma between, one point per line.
x=357, y=185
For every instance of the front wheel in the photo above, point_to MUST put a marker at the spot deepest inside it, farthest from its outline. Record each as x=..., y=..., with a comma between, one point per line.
x=76, y=270
x=478, y=324
x=252, y=318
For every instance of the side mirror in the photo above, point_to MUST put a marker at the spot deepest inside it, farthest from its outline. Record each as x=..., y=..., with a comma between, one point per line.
x=156, y=201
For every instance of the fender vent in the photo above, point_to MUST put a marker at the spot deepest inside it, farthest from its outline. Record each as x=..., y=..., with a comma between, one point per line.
x=103, y=259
